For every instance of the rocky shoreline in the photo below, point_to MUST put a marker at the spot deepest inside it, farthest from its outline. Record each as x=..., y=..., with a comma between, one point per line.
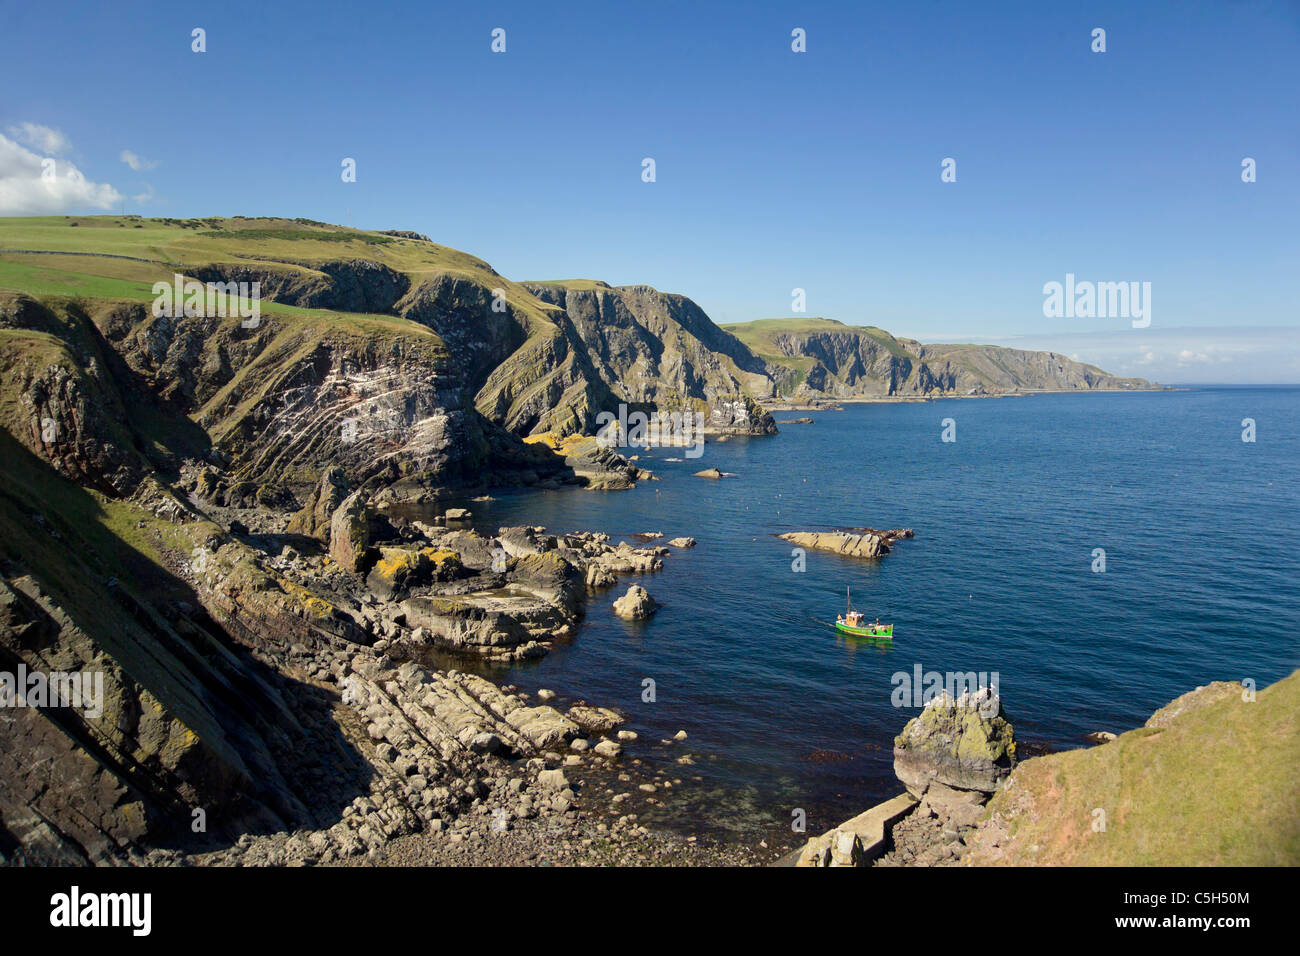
x=429, y=766
x=951, y=758
x=466, y=773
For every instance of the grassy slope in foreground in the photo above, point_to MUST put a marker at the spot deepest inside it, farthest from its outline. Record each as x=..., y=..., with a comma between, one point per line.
x=1210, y=781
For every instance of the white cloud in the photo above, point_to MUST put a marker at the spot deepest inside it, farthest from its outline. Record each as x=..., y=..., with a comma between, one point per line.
x=26, y=189
x=136, y=161
x=44, y=138
x=145, y=196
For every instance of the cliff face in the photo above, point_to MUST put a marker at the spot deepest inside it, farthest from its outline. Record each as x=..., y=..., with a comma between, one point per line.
x=822, y=358
x=535, y=357
x=134, y=446
x=655, y=348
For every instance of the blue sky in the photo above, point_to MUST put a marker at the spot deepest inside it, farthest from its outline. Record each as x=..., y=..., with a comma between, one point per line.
x=775, y=170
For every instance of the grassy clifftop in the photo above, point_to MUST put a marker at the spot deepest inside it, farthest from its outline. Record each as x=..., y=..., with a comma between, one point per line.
x=524, y=361
x=1209, y=781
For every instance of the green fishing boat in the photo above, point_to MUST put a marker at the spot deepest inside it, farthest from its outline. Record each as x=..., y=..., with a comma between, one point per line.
x=855, y=623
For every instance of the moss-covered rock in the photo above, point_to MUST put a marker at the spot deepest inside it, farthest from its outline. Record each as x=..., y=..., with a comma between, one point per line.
x=965, y=743
x=400, y=569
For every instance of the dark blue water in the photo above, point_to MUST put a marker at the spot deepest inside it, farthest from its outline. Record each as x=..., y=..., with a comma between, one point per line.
x=1202, y=545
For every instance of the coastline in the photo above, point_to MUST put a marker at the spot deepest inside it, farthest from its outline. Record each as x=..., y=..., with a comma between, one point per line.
x=836, y=403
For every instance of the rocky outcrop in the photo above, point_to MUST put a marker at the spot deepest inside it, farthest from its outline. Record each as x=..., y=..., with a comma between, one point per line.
x=636, y=604
x=67, y=397
x=353, y=285
x=316, y=517
x=508, y=597
x=951, y=758
x=601, y=468
x=858, y=543
x=350, y=533
x=964, y=744
x=738, y=415
x=399, y=569
x=659, y=349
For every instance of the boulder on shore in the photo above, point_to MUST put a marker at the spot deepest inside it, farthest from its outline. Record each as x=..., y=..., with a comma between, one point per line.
x=599, y=719
x=636, y=604
x=350, y=533
x=708, y=473
x=837, y=848
x=682, y=543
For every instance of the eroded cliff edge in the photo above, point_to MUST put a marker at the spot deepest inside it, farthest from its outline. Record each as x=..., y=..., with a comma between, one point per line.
x=1208, y=780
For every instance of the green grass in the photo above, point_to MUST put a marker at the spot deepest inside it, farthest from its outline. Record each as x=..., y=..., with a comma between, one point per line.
x=1216, y=787
x=175, y=245
x=41, y=275
x=586, y=285
x=761, y=334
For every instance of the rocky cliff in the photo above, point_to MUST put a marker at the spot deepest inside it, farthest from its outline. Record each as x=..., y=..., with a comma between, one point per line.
x=178, y=497
x=822, y=358
x=655, y=348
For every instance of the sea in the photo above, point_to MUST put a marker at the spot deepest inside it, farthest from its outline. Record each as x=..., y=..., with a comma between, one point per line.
x=1095, y=555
